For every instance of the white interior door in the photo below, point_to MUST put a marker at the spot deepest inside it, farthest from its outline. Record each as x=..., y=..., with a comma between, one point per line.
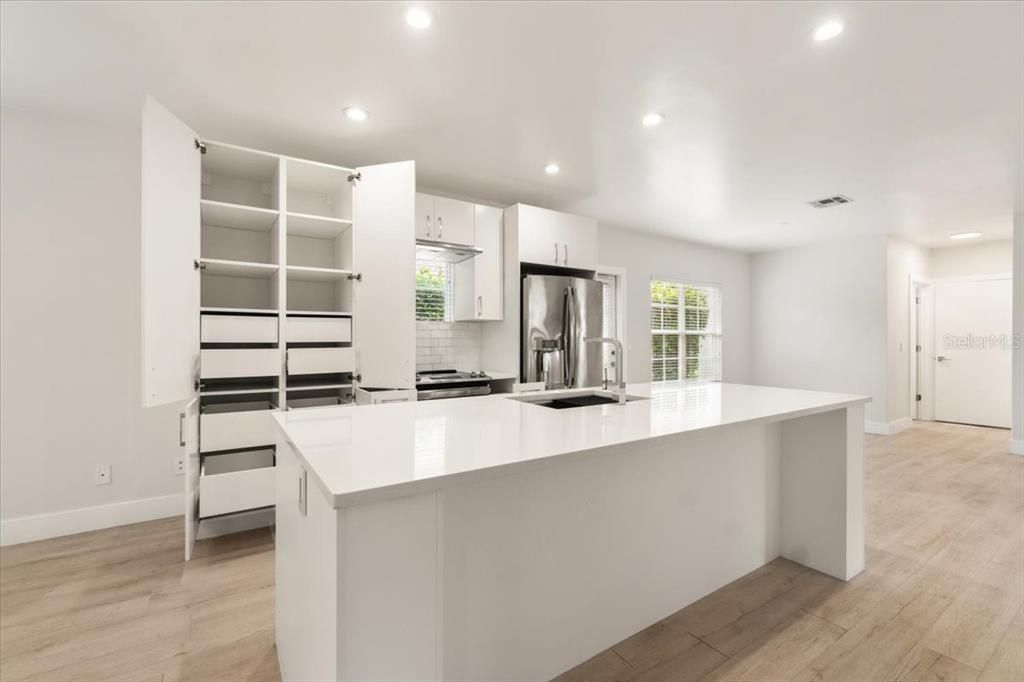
x=973, y=351
x=384, y=246
x=189, y=436
x=170, y=243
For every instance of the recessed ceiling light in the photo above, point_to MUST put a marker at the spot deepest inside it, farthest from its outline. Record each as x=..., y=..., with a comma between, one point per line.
x=552, y=169
x=965, y=235
x=828, y=30
x=652, y=119
x=418, y=18
x=356, y=113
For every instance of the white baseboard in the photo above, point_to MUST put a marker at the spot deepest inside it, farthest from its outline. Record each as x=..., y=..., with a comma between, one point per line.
x=56, y=524
x=876, y=428
x=892, y=428
x=1017, y=446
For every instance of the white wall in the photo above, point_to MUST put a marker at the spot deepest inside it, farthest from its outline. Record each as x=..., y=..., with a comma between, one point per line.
x=819, y=320
x=985, y=258
x=904, y=262
x=1018, y=330
x=70, y=332
x=645, y=256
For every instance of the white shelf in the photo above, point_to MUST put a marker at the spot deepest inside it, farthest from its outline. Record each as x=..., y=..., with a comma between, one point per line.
x=239, y=390
x=308, y=274
x=318, y=227
x=316, y=387
x=224, y=214
x=237, y=268
x=319, y=313
x=246, y=311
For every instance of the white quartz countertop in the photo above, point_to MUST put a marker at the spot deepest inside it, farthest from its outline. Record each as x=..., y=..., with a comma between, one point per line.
x=368, y=453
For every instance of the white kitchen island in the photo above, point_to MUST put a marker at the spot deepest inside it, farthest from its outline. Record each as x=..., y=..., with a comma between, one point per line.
x=491, y=539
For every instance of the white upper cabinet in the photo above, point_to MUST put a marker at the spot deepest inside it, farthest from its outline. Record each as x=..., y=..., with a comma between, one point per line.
x=479, y=280
x=384, y=220
x=170, y=243
x=440, y=219
x=552, y=238
x=454, y=221
x=424, y=216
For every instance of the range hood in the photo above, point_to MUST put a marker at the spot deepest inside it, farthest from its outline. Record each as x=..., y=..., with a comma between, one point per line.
x=443, y=252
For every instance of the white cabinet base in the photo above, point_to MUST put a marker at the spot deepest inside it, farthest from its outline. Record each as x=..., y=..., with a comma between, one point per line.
x=685, y=515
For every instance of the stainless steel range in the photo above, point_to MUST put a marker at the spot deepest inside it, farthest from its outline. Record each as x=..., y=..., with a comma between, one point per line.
x=450, y=383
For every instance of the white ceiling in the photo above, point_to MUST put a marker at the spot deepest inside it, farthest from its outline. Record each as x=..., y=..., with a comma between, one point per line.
x=916, y=111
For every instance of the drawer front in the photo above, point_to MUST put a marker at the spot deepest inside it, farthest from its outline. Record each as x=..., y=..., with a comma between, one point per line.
x=226, y=363
x=320, y=360
x=319, y=329
x=235, y=491
x=231, y=430
x=381, y=397
x=238, y=329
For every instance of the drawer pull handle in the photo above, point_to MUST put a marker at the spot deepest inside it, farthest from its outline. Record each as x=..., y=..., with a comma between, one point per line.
x=181, y=429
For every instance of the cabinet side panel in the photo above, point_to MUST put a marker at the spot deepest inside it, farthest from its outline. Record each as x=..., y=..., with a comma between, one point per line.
x=306, y=564
x=170, y=243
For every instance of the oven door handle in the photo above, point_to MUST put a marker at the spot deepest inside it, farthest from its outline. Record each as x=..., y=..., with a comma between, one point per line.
x=437, y=393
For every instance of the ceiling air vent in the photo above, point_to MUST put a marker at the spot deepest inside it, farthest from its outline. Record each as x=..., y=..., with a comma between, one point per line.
x=830, y=201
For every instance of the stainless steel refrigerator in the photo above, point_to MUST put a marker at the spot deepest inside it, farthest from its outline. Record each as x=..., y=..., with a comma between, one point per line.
x=558, y=314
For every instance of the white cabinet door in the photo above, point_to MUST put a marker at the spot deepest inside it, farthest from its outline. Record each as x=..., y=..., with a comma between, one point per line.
x=488, y=266
x=189, y=441
x=540, y=235
x=385, y=256
x=553, y=238
x=453, y=221
x=170, y=244
x=579, y=242
x=425, y=216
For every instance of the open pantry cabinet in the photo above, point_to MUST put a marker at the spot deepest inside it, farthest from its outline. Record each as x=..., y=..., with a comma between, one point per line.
x=268, y=283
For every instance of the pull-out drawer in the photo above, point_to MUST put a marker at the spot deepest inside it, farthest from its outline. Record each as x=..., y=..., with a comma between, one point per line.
x=236, y=482
x=237, y=329
x=233, y=425
x=318, y=330
x=225, y=363
x=320, y=360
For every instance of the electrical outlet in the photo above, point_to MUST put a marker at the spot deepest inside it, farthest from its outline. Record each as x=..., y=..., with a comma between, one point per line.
x=102, y=474
x=179, y=465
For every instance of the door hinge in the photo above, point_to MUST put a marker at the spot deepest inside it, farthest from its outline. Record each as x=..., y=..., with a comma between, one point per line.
x=355, y=177
x=918, y=397
x=917, y=348
x=357, y=378
x=197, y=385
x=200, y=145
x=917, y=299
x=357, y=276
x=196, y=265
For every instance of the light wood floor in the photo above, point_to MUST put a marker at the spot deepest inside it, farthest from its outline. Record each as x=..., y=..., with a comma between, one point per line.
x=941, y=598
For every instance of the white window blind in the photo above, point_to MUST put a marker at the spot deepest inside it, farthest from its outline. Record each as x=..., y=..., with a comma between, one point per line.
x=686, y=331
x=609, y=317
x=433, y=291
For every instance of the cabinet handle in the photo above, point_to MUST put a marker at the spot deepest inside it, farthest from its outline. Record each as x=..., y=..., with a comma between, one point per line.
x=440, y=227
x=181, y=429
x=428, y=225
x=565, y=251
x=556, y=253
x=479, y=306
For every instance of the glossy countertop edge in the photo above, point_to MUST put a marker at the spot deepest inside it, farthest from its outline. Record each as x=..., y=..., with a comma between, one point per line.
x=352, y=498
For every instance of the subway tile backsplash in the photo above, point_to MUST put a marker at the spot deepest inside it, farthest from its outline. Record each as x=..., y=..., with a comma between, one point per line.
x=448, y=345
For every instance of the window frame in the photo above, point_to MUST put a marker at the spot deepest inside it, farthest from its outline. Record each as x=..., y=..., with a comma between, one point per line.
x=682, y=358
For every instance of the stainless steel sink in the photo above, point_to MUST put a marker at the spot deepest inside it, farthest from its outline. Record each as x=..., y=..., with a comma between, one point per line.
x=567, y=401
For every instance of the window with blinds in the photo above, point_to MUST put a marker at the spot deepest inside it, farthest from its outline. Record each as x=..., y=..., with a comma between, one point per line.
x=433, y=291
x=686, y=331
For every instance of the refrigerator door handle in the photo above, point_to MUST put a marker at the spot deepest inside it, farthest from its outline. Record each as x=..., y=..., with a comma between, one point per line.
x=572, y=337
x=566, y=337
